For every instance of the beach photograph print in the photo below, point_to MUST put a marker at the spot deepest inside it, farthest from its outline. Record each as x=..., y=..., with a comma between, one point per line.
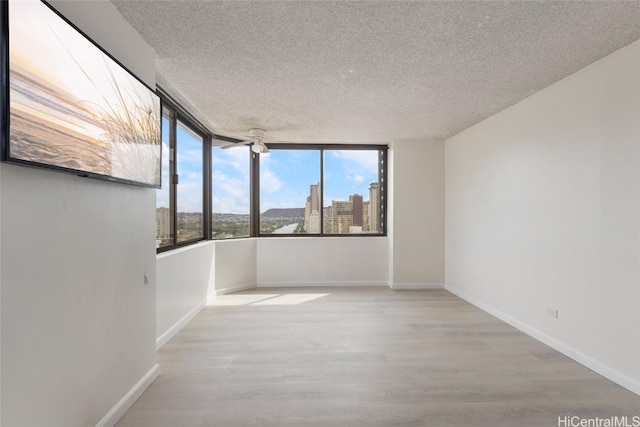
x=72, y=106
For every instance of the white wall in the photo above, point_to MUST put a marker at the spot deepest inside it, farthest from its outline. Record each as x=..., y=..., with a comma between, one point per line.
x=299, y=261
x=184, y=275
x=417, y=214
x=235, y=266
x=543, y=210
x=78, y=321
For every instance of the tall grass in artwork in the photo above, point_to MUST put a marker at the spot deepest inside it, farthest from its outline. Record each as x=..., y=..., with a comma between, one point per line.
x=131, y=136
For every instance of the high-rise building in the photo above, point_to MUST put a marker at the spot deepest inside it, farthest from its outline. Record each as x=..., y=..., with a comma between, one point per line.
x=314, y=197
x=328, y=220
x=365, y=216
x=313, y=223
x=163, y=223
x=342, y=216
x=355, y=215
x=307, y=213
x=374, y=207
x=356, y=207
x=312, y=210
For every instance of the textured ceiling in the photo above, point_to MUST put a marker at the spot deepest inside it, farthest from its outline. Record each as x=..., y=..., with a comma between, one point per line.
x=369, y=71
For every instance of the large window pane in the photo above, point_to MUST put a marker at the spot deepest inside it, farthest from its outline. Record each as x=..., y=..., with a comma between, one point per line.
x=164, y=234
x=351, y=192
x=230, y=192
x=288, y=202
x=189, y=191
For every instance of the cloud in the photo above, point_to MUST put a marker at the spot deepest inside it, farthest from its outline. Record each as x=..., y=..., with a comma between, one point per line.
x=269, y=181
x=230, y=180
x=189, y=159
x=357, y=178
x=236, y=158
x=189, y=192
x=363, y=161
x=230, y=195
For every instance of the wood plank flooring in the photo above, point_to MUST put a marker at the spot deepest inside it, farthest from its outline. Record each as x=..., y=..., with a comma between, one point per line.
x=365, y=357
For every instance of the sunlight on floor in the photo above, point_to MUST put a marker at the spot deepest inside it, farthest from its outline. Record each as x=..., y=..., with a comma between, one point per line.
x=263, y=299
x=290, y=299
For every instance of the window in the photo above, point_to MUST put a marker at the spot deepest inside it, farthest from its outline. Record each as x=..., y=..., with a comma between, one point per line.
x=351, y=192
x=322, y=189
x=231, y=182
x=164, y=216
x=289, y=192
x=209, y=192
x=190, y=190
x=181, y=201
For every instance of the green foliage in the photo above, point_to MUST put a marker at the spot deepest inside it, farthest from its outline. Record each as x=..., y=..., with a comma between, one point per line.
x=229, y=229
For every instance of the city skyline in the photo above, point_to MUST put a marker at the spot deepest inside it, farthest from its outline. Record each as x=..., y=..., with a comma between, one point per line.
x=286, y=179
x=353, y=216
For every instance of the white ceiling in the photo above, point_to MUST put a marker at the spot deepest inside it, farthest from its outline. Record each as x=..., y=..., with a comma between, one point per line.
x=369, y=71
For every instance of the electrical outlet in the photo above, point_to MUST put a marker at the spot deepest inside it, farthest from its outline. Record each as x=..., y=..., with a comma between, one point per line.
x=552, y=312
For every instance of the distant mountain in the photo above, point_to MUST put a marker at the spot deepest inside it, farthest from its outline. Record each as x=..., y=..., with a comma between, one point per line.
x=283, y=213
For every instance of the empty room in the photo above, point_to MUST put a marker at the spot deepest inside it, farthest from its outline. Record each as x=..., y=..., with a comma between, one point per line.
x=320, y=213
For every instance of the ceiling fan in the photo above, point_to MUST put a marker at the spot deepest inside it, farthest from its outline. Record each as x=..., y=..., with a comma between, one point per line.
x=255, y=141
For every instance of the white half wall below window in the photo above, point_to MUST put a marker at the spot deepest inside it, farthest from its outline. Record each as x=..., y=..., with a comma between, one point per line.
x=183, y=277
x=235, y=266
x=322, y=261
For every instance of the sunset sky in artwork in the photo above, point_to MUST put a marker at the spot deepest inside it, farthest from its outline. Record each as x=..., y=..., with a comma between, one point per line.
x=43, y=44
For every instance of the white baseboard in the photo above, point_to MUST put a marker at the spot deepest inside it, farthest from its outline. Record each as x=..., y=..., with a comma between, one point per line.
x=318, y=284
x=129, y=399
x=563, y=348
x=409, y=286
x=169, y=333
x=232, y=289
x=229, y=290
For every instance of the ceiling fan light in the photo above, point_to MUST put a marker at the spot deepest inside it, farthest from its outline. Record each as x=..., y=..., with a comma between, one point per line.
x=257, y=148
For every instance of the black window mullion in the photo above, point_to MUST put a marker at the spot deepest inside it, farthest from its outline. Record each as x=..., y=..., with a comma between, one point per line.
x=254, y=195
x=173, y=210
x=207, y=172
x=321, y=191
x=382, y=187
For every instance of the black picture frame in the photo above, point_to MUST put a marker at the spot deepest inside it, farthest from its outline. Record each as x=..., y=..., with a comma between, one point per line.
x=99, y=121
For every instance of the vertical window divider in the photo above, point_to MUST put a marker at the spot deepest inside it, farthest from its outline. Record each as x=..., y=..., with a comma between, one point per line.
x=254, y=195
x=321, y=192
x=207, y=186
x=173, y=214
x=382, y=185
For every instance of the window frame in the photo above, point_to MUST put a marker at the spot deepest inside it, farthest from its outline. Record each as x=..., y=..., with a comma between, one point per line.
x=175, y=112
x=169, y=114
x=382, y=181
x=175, y=180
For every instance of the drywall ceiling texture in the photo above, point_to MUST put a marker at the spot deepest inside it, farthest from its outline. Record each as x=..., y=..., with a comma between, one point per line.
x=369, y=71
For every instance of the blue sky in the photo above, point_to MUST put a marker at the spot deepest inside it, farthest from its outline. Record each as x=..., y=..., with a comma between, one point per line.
x=189, y=167
x=285, y=176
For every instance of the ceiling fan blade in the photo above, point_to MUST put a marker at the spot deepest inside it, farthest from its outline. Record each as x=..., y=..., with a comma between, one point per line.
x=235, y=144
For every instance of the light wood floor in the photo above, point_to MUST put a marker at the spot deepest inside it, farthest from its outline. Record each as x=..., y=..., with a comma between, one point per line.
x=365, y=357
